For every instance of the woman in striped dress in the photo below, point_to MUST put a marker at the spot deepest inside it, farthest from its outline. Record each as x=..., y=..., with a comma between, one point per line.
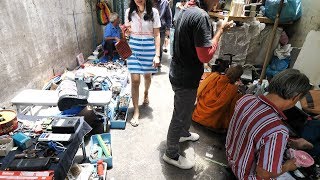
x=143, y=23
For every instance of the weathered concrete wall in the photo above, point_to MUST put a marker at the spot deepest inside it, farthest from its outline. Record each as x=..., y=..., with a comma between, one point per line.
x=310, y=20
x=39, y=38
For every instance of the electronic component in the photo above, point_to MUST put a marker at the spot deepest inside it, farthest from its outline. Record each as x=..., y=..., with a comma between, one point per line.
x=21, y=140
x=47, y=121
x=54, y=137
x=65, y=125
x=6, y=145
x=37, y=164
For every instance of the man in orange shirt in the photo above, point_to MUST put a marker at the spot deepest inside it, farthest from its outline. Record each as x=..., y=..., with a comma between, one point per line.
x=216, y=98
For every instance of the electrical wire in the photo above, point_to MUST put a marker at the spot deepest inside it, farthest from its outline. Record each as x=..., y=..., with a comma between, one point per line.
x=56, y=146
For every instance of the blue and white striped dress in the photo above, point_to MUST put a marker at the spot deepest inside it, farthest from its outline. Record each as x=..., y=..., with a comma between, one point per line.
x=142, y=42
x=143, y=52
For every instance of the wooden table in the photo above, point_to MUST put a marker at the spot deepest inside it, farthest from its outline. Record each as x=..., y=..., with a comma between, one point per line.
x=243, y=18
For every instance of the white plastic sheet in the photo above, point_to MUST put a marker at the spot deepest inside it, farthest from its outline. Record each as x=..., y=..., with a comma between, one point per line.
x=248, y=43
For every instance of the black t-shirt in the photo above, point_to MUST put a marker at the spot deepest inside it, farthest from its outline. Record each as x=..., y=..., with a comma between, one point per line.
x=192, y=29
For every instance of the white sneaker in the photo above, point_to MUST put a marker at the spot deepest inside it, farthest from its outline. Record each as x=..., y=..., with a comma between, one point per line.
x=192, y=137
x=182, y=162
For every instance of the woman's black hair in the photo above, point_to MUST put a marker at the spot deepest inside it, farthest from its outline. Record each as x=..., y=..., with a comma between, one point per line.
x=148, y=16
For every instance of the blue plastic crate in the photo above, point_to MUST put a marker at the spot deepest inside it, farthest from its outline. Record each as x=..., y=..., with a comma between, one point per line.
x=117, y=123
x=106, y=137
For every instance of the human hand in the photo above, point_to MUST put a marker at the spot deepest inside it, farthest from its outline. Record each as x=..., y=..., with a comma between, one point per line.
x=289, y=165
x=317, y=117
x=126, y=30
x=226, y=25
x=117, y=39
x=156, y=61
x=167, y=33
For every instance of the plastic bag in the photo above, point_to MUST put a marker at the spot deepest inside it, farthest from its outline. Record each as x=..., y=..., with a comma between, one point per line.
x=277, y=65
x=291, y=10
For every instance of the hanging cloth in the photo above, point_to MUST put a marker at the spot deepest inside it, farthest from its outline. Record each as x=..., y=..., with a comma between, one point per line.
x=103, y=12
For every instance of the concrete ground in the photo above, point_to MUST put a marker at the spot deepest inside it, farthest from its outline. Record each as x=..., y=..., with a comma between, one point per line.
x=137, y=151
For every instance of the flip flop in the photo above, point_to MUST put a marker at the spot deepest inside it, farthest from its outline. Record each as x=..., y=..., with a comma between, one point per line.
x=134, y=122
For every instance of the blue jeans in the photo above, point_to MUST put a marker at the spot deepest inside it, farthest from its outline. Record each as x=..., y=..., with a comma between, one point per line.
x=184, y=100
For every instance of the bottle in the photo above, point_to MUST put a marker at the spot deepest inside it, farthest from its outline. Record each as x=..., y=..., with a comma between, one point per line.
x=237, y=8
x=79, y=75
x=100, y=168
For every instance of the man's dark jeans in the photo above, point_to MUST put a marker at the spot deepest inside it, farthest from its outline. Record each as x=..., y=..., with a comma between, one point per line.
x=184, y=100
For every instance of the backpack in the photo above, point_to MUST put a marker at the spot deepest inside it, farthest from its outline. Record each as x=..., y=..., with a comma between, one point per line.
x=103, y=12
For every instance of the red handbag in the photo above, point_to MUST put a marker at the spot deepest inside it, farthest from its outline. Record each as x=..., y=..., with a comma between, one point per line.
x=123, y=48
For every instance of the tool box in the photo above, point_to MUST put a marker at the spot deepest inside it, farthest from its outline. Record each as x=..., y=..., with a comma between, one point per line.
x=118, y=114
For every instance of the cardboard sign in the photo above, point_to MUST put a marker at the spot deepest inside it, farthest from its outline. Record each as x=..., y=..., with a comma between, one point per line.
x=80, y=59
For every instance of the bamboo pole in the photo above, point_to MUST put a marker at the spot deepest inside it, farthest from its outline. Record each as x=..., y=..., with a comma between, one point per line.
x=269, y=50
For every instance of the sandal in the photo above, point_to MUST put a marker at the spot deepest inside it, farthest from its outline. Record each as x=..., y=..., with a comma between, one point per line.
x=134, y=122
x=146, y=101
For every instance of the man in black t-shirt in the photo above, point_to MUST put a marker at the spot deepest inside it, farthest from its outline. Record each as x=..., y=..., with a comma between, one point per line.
x=193, y=45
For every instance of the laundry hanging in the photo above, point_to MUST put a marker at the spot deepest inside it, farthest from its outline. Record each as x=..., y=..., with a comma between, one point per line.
x=103, y=12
